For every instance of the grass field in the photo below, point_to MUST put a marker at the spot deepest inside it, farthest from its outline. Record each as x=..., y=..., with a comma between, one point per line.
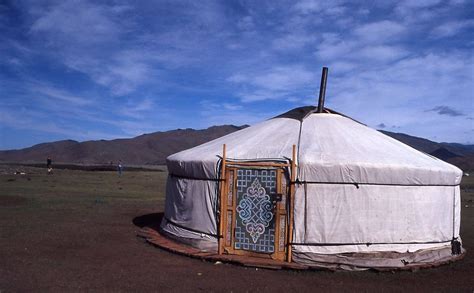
x=74, y=231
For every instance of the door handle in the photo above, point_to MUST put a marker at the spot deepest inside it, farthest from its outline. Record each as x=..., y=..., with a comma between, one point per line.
x=278, y=197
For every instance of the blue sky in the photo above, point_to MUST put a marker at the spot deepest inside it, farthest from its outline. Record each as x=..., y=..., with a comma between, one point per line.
x=109, y=69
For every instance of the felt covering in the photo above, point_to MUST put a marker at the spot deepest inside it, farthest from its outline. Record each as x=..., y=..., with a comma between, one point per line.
x=355, y=186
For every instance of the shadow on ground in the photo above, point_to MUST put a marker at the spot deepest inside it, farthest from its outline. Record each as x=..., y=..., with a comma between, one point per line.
x=149, y=220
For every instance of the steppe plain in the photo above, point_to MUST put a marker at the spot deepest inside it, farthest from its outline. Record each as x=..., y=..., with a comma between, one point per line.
x=76, y=231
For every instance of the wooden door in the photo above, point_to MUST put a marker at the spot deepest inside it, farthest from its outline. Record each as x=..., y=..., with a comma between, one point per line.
x=255, y=217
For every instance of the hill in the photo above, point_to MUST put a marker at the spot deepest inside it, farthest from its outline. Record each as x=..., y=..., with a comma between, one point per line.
x=146, y=149
x=428, y=146
x=460, y=155
x=153, y=148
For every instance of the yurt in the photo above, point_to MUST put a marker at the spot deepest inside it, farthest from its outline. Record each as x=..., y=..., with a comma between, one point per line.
x=314, y=187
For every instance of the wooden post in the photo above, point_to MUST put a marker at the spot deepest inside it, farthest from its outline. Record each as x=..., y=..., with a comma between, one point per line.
x=222, y=182
x=291, y=203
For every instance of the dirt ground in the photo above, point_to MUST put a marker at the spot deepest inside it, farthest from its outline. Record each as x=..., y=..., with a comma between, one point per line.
x=76, y=231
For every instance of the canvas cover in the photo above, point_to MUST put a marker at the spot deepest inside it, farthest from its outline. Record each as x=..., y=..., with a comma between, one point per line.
x=358, y=190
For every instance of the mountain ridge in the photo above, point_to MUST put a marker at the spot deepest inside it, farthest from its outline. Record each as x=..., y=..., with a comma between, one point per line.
x=153, y=148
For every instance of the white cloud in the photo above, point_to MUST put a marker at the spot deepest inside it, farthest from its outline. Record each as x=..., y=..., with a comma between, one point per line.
x=292, y=41
x=380, y=53
x=387, y=60
x=260, y=95
x=232, y=107
x=238, y=78
x=273, y=83
x=44, y=122
x=381, y=31
x=335, y=48
x=418, y=3
x=78, y=22
x=332, y=8
x=217, y=113
x=86, y=37
x=122, y=72
x=401, y=93
x=137, y=109
x=457, y=2
x=135, y=128
x=341, y=67
x=283, y=78
x=246, y=23
x=335, y=51
x=451, y=28
x=60, y=95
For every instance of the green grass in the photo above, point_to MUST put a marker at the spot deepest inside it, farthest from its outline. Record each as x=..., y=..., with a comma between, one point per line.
x=82, y=186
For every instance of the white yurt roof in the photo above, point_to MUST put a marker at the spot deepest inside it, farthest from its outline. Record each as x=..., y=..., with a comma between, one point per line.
x=331, y=148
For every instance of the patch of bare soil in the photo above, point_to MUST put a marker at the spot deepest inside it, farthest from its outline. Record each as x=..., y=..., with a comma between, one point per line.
x=8, y=201
x=78, y=233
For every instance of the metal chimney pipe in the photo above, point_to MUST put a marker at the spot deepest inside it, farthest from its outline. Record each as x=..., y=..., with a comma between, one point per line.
x=322, y=90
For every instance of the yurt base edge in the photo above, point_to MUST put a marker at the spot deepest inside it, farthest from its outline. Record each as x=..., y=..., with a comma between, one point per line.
x=158, y=239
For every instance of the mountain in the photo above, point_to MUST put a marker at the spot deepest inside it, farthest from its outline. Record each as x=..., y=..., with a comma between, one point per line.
x=444, y=154
x=146, y=149
x=153, y=148
x=428, y=146
x=460, y=155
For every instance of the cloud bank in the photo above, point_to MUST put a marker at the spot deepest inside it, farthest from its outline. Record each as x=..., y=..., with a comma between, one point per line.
x=91, y=70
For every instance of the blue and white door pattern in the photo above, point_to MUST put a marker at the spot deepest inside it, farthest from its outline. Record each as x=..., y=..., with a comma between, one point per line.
x=255, y=215
x=259, y=213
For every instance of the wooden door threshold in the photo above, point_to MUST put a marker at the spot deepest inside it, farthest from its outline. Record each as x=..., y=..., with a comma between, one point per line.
x=157, y=239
